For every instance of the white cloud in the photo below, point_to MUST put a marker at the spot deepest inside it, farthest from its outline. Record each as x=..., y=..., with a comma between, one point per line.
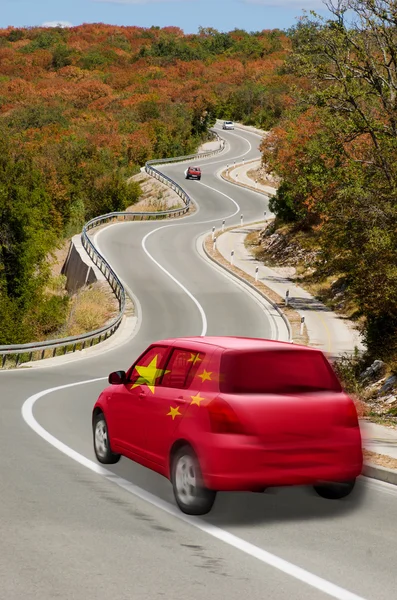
x=57, y=24
x=288, y=3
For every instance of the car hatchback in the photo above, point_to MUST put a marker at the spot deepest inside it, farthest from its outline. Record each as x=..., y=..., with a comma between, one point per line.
x=228, y=125
x=193, y=173
x=226, y=414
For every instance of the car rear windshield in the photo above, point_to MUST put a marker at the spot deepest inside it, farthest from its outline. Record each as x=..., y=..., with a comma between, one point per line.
x=276, y=372
x=195, y=169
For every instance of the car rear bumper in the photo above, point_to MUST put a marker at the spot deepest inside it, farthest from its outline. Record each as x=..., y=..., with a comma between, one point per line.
x=250, y=466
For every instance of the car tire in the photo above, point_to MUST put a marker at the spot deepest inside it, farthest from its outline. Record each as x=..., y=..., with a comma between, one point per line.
x=102, y=448
x=335, y=491
x=199, y=178
x=190, y=494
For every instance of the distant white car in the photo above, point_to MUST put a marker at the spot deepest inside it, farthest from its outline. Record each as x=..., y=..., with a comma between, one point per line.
x=228, y=125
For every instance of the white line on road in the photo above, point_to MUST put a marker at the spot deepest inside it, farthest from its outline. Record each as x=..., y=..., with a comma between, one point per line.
x=228, y=538
x=193, y=298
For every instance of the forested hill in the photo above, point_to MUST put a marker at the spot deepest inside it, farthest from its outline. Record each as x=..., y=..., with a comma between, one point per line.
x=82, y=108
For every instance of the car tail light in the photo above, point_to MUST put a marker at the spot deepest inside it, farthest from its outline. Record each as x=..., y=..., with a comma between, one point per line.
x=347, y=417
x=351, y=415
x=223, y=419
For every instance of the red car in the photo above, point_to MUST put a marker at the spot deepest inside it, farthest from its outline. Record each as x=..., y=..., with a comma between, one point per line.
x=193, y=173
x=229, y=413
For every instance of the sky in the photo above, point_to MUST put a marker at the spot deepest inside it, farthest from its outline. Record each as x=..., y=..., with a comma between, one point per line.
x=223, y=15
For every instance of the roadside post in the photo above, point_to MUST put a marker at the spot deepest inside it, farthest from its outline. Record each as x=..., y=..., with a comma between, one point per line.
x=302, y=324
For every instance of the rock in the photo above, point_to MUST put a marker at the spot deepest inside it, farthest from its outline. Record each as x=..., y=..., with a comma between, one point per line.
x=389, y=384
x=390, y=400
x=375, y=369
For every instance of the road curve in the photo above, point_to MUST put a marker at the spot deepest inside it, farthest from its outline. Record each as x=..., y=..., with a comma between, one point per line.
x=72, y=529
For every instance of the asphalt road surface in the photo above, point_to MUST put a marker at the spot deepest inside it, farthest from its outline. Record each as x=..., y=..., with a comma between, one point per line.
x=71, y=529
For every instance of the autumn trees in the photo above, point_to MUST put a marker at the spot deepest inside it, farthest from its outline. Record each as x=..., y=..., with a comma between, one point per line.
x=82, y=109
x=337, y=153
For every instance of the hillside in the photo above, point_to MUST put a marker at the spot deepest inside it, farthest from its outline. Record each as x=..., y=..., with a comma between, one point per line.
x=334, y=151
x=81, y=109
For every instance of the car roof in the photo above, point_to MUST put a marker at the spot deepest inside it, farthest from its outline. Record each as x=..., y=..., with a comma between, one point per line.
x=233, y=343
x=196, y=168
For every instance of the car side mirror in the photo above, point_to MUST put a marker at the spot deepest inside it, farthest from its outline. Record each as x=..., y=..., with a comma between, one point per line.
x=117, y=377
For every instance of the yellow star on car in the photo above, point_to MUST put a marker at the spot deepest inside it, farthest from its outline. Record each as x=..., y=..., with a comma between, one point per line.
x=194, y=358
x=197, y=399
x=148, y=375
x=174, y=412
x=205, y=376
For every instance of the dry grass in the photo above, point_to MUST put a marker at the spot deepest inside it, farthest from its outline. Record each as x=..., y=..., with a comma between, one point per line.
x=382, y=460
x=156, y=196
x=227, y=177
x=257, y=175
x=90, y=308
x=292, y=316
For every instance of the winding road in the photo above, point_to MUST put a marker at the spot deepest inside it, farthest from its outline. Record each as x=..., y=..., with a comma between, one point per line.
x=71, y=529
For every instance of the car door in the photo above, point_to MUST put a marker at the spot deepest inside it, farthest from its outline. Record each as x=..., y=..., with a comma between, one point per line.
x=176, y=393
x=129, y=402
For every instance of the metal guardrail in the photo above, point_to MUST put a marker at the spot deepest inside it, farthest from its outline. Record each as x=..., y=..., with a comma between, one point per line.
x=21, y=353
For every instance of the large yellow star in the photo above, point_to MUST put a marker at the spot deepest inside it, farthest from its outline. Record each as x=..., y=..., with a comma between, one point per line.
x=205, y=376
x=194, y=358
x=196, y=399
x=174, y=412
x=148, y=375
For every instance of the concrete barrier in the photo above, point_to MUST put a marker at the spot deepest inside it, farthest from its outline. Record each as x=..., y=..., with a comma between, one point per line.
x=78, y=267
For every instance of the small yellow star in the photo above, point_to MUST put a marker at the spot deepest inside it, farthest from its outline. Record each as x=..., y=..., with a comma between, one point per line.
x=197, y=399
x=194, y=358
x=174, y=412
x=205, y=376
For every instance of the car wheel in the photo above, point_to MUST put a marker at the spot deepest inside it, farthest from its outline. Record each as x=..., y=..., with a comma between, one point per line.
x=102, y=448
x=335, y=491
x=199, y=178
x=190, y=494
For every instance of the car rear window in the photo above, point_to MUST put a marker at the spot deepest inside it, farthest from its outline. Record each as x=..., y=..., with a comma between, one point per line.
x=276, y=372
x=195, y=169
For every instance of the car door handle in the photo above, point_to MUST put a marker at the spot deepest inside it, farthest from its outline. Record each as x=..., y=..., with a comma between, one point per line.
x=142, y=395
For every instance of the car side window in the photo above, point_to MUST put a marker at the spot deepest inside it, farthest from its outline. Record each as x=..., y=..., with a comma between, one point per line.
x=180, y=368
x=150, y=367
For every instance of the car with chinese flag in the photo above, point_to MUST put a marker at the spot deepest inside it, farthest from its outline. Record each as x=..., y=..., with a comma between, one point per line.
x=231, y=414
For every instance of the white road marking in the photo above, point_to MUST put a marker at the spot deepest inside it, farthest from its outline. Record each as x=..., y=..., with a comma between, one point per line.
x=193, y=298
x=228, y=538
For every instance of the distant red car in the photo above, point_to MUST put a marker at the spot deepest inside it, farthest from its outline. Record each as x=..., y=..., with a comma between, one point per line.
x=193, y=173
x=231, y=413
